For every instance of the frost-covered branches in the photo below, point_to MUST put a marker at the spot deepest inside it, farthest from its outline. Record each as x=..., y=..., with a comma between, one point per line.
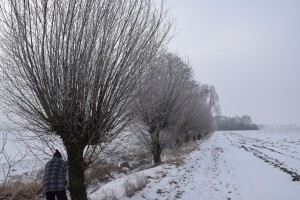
x=170, y=105
x=70, y=68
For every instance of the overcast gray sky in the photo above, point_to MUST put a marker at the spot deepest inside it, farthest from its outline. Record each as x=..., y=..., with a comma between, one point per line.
x=248, y=49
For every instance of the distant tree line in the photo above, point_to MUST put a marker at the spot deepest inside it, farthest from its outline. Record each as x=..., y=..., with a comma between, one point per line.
x=235, y=123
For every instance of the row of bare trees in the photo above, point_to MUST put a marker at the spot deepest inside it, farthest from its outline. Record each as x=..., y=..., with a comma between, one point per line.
x=82, y=70
x=171, y=106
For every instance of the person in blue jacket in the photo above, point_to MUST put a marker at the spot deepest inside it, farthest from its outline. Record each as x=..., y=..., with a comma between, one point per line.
x=55, y=178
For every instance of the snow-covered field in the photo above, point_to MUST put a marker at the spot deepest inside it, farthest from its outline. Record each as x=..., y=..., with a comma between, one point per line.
x=17, y=159
x=247, y=165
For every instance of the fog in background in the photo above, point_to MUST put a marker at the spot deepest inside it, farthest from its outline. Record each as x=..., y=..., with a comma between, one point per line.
x=249, y=50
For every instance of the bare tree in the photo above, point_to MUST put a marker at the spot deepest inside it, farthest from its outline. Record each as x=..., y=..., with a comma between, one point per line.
x=212, y=98
x=161, y=99
x=246, y=119
x=196, y=116
x=70, y=68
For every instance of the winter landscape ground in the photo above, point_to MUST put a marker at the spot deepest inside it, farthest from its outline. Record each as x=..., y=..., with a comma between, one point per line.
x=254, y=165
x=247, y=165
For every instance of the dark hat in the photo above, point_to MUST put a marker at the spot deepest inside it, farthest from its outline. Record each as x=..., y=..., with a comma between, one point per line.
x=57, y=154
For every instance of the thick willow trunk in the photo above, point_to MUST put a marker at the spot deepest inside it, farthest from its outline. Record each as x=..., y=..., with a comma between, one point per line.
x=157, y=157
x=156, y=147
x=76, y=168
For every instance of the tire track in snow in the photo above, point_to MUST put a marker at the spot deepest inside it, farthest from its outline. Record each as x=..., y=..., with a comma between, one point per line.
x=285, y=146
x=255, y=150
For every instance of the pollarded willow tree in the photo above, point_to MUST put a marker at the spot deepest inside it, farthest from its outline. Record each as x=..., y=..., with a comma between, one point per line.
x=194, y=106
x=162, y=95
x=202, y=111
x=70, y=68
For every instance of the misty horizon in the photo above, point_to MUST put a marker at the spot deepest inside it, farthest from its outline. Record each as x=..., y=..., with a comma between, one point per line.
x=248, y=50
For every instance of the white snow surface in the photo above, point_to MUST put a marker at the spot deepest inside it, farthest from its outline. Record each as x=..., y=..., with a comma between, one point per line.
x=246, y=165
x=230, y=165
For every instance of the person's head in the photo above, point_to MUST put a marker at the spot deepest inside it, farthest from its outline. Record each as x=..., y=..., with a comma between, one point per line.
x=57, y=154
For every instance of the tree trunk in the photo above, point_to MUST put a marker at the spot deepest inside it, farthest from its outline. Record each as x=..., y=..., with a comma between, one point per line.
x=156, y=148
x=157, y=158
x=76, y=168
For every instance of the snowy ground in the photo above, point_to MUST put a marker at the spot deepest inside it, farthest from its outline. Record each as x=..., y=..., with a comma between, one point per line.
x=254, y=165
x=16, y=159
